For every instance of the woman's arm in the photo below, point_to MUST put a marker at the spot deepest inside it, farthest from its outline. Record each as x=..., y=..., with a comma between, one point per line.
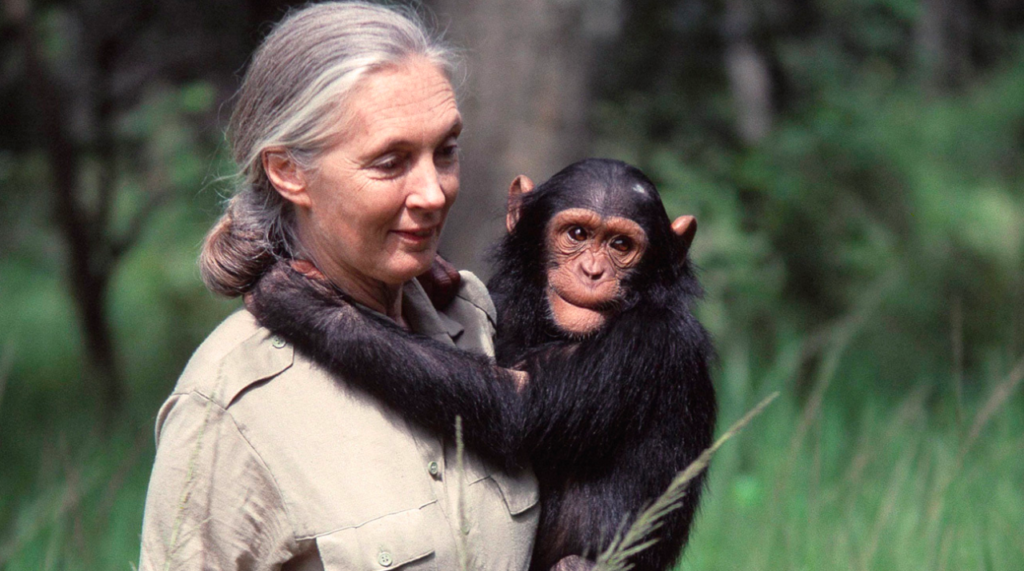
x=211, y=502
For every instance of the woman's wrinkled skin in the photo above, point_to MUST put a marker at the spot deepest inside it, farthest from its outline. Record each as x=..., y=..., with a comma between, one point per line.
x=370, y=216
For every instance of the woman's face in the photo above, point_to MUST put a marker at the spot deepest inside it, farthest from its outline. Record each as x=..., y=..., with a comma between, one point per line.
x=375, y=208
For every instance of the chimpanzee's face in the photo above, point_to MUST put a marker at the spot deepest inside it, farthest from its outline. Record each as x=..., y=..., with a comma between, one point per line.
x=589, y=257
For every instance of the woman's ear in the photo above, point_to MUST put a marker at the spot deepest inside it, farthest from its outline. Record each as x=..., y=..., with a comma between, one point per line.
x=286, y=176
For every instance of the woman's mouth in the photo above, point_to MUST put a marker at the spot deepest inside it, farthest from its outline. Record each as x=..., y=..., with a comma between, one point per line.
x=416, y=235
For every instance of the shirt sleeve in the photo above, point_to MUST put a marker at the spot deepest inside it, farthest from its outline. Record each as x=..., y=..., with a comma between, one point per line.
x=212, y=503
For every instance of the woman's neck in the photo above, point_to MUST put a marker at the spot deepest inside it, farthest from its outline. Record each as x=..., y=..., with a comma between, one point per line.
x=374, y=294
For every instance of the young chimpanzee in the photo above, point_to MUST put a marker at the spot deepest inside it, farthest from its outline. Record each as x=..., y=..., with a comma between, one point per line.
x=594, y=293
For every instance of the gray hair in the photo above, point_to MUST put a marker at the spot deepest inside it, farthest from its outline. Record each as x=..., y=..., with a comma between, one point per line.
x=292, y=98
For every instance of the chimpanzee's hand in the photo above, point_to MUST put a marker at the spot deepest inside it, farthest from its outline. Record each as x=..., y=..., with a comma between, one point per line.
x=306, y=268
x=441, y=282
x=522, y=378
x=573, y=563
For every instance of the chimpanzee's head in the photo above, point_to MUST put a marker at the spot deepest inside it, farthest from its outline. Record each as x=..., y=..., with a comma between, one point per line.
x=599, y=236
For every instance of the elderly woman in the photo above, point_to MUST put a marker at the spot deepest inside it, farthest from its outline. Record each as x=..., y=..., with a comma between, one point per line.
x=345, y=134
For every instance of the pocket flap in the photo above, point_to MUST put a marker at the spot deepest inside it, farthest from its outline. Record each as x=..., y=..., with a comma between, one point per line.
x=519, y=491
x=387, y=542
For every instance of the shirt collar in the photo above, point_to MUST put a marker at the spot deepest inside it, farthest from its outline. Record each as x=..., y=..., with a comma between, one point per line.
x=423, y=318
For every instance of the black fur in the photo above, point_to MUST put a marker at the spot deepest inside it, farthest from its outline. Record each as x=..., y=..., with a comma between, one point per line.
x=613, y=417
x=606, y=420
x=428, y=382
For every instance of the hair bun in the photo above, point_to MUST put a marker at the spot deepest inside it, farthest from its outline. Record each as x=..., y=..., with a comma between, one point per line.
x=234, y=255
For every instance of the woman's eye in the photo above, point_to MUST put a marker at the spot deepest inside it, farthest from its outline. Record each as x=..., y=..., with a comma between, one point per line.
x=622, y=244
x=577, y=233
x=448, y=154
x=388, y=164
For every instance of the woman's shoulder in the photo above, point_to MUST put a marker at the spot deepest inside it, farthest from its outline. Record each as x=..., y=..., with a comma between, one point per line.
x=236, y=354
x=469, y=320
x=472, y=291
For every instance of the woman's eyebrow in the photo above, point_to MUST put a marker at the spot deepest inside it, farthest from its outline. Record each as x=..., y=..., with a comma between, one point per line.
x=456, y=127
x=402, y=141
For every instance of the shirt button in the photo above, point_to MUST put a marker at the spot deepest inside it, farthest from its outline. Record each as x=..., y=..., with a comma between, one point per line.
x=277, y=342
x=433, y=468
x=385, y=559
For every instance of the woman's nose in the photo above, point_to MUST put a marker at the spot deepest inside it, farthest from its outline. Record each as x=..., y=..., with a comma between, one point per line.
x=426, y=192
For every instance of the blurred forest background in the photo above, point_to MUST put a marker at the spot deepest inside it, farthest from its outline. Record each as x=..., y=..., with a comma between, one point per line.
x=856, y=166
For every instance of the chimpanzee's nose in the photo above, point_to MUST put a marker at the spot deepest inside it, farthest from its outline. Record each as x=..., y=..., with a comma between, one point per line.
x=592, y=268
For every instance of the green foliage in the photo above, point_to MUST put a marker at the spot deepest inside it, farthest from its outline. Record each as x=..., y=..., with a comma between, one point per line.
x=73, y=495
x=866, y=259
x=866, y=180
x=891, y=486
x=83, y=508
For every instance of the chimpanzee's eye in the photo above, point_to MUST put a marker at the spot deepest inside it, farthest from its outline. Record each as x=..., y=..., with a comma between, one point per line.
x=578, y=233
x=622, y=244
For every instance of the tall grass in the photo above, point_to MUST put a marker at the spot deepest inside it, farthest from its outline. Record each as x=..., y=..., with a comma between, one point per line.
x=883, y=485
x=642, y=533
x=871, y=484
x=79, y=505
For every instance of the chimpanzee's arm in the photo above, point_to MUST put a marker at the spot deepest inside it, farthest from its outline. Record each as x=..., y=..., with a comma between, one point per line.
x=599, y=394
x=427, y=382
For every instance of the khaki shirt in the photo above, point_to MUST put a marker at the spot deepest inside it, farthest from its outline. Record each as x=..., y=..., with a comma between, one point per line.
x=266, y=461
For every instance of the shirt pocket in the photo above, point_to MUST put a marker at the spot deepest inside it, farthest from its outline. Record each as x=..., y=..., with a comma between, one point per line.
x=520, y=493
x=501, y=515
x=401, y=540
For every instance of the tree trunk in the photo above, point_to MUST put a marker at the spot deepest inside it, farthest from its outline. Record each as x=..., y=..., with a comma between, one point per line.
x=88, y=265
x=91, y=300
x=749, y=76
x=525, y=103
x=943, y=37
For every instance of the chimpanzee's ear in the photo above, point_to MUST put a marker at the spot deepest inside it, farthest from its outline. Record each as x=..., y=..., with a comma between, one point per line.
x=686, y=228
x=520, y=185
